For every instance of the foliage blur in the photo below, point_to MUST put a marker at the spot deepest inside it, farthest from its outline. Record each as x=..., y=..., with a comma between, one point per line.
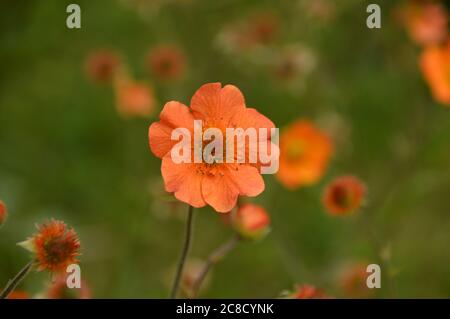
x=65, y=152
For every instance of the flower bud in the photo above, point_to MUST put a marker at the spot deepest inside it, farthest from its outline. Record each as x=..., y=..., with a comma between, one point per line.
x=251, y=221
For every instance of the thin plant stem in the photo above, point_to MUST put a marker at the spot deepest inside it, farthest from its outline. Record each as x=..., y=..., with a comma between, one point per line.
x=213, y=259
x=13, y=283
x=378, y=248
x=184, y=253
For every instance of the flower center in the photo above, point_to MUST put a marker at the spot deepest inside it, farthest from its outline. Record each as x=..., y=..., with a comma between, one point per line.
x=295, y=150
x=342, y=197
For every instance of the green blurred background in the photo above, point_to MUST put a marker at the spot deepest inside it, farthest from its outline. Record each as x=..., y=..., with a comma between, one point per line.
x=66, y=153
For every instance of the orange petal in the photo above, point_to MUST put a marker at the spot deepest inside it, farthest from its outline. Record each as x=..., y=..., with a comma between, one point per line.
x=159, y=138
x=216, y=103
x=183, y=180
x=250, y=117
x=248, y=180
x=176, y=114
x=220, y=192
x=173, y=115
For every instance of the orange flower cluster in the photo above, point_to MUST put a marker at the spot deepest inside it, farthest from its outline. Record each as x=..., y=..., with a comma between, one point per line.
x=54, y=246
x=427, y=25
x=135, y=98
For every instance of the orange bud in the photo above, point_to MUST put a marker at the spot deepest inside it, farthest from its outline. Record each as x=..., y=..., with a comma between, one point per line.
x=251, y=221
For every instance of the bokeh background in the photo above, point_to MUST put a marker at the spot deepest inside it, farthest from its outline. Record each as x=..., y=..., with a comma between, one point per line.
x=66, y=153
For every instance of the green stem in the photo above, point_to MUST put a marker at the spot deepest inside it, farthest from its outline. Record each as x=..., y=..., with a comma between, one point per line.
x=184, y=253
x=213, y=259
x=13, y=283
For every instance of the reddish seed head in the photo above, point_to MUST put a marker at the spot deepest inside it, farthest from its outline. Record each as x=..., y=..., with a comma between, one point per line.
x=102, y=65
x=167, y=62
x=55, y=246
x=344, y=195
x=3, y=213
x=251, y=221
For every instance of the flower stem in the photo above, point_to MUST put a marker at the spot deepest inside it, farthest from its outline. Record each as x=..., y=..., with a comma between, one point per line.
x=184, y=253
x=213, y=259
x=12, y=284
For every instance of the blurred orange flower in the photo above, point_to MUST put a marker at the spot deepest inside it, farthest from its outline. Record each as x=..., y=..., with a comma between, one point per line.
x=304, y=154
x=344, y=195
x=134, y=98
x=251, y=221
x=102, y=65
x=3, y=213
x=18, y=294
x=353, y=281
x=426, y=21
x=54, y=246
x=198, y=184
x=262, y=29
x=307, y=292
x=435, y=64
x=251, y=33
x=58, y=289
x=167, y=62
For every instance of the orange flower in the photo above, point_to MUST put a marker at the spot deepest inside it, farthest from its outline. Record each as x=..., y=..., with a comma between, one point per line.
x=134, y=98
x=251, y=221
x=304, y=154
x=18, y=294
x=353, y=281
x=307, y=292
x=59, y=290
x=3, y=213
x=167, y=62
x=102, y=65
x=344, y=195
x=426, y=21
x=435, y=64
x=54, y=246
x=217, y=184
